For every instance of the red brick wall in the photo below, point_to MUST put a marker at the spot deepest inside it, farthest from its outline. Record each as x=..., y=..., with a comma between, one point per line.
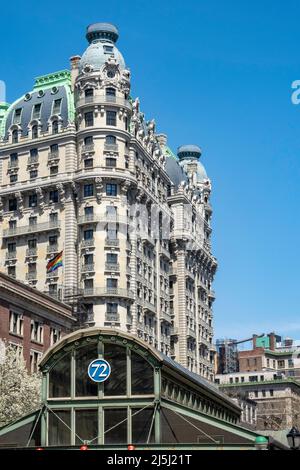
x=25, y=340
x=250, y=361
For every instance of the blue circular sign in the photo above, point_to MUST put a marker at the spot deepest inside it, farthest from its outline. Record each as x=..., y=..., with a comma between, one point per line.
x=99, y=370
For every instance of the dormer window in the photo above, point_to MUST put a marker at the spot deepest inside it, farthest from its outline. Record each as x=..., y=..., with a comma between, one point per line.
x=56, y=106
x=17, y=116
x=36, y=112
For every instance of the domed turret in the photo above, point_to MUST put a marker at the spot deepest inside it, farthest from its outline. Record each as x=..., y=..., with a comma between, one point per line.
x=189, y=159
x=102, y=38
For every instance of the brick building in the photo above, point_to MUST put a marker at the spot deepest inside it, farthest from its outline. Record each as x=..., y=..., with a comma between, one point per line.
x=30, y=320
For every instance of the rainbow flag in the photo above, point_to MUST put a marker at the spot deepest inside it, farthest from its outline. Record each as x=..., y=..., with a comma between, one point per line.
x=54, y=263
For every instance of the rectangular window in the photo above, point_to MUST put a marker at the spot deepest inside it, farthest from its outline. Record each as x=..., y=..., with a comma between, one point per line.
x=88, y=140
x=56, y=106
x=32, y=243
x=11, y=247
x=108, y=49
x=54, y=148
x=88, y=234
x=16, y=323
x=111, y=162
x=35, y=357
x=32, y=200
x=36, y=112
x=53, y=196
x=88, y=211
x=17, y=116
x=33, y=174
x=88, y=190
x=55, y=335
x=110, y=92
x=89, y=119
x=112, y=258
x=53, y=240
x=53, y=170
x=34, y=152
x=111, y=308
x=13, y=178
x=88, y=259
x=111, y=283
x=111, y=118
x=12, y=204
x=32, y=221
x=111, y=189
x=37, y=331
x=88, y=163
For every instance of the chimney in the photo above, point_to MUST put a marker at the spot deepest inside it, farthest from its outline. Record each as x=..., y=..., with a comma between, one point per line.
x=272, y=339
x=74, y=61
x=254, y=341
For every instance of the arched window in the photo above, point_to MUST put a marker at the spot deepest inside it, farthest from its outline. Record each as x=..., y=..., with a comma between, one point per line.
x=15, y=136
x=110, y=140
x=55, y=127
x=35, y=132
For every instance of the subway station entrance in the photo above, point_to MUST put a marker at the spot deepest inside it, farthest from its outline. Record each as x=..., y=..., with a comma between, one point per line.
x=107, y=389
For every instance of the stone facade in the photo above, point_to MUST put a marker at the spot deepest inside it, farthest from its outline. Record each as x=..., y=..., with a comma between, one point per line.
x=84, y=173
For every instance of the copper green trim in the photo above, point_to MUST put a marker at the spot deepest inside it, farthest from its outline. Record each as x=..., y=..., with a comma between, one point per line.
x=62, y=77
x=278, y=353
x=168, y=152
x=262, y=382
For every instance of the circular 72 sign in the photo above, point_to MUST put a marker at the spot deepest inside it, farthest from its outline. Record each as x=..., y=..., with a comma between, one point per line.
x=99, y=370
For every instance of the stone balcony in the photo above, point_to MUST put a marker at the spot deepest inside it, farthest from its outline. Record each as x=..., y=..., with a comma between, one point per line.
x=31, y=252
x=108, y=292
x=115, y=267
x=103, y=99
x=88, y=268
x=34, y=228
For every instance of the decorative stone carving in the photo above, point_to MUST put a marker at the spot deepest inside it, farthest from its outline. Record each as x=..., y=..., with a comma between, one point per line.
x=99, y=187
x=40, y=196
x=125, y=187
x=19, y=198
x=61, y=192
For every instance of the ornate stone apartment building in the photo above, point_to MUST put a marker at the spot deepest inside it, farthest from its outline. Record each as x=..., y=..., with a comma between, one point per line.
x=83, y=173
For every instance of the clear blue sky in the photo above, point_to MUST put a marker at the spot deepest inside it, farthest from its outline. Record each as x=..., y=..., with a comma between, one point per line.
x=216, y=73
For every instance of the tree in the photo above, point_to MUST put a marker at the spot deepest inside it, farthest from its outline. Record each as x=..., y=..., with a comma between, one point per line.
x=19, y=390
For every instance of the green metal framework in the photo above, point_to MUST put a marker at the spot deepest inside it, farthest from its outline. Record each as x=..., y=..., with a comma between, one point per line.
x=194, y=406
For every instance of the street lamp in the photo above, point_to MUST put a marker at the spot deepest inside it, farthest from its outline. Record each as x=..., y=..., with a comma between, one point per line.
x=293, y=438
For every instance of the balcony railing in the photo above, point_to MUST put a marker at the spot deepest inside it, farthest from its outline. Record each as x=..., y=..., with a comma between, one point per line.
x=108, y=292
x=31, y=252
x=112, y=267
x=13, y=164
x=31, y=276
x=34, y=228
x=103, y=99
x=52, y=249
x=112, y=242
x=11, y=255
x=87, y=219
x=53, y=156
x=87, y=268
x=112, y=317
x=146, y=237
x=191, y=332
x=165, y=316
x=88, y=243
x=149, y=306
x=111, y=147
x=33, y=159
x=89, y=148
